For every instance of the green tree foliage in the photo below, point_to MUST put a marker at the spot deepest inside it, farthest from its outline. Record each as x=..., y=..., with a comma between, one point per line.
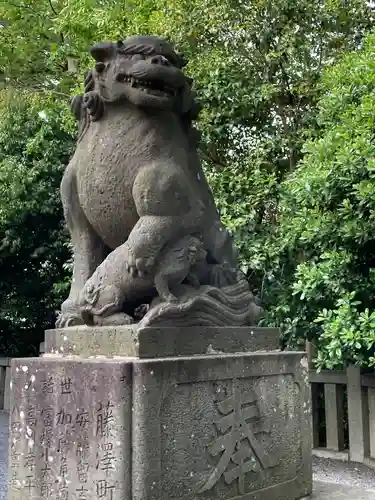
x=256, y=66
x=34, y=150
x=324, y=280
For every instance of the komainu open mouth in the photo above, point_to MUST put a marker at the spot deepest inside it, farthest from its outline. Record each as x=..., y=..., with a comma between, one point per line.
x=154, y=87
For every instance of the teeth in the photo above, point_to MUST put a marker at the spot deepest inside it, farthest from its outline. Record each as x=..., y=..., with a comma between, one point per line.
x=148, y=86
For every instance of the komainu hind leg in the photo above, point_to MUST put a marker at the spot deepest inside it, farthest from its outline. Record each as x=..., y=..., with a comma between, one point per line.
x=161, y=285
x=88, y=249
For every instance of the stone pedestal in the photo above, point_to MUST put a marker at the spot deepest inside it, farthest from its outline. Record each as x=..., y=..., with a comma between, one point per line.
x=115, y=413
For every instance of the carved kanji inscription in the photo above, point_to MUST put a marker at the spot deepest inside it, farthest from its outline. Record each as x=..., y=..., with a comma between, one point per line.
x=68, y=443
x=237, y=442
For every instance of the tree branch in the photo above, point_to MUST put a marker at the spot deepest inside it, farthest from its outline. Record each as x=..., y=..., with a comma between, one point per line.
x=53, y=8
x=212, y=158
x=56, y=14
x=37, y=89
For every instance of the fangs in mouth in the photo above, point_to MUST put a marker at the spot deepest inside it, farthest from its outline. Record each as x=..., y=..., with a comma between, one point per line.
x=154, y=87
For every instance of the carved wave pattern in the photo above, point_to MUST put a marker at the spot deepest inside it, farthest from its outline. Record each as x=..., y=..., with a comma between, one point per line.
x=209, y=306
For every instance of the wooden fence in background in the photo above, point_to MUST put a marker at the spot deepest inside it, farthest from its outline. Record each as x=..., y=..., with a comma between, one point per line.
x=343, y=407
x=343, y=411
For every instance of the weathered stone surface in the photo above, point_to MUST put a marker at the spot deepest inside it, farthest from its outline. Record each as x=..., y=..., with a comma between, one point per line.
x=70, y=434
x=214, y=426
x=158, y=342
x=143, y=222
x=222, y=427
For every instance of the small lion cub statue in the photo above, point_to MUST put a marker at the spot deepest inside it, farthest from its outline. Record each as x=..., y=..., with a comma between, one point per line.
x=112, y=284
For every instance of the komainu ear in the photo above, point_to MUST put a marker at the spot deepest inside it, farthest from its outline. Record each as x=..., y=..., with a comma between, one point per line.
x=103, y=51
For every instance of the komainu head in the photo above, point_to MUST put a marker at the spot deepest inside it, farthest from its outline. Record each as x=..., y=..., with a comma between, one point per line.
x=144, y=70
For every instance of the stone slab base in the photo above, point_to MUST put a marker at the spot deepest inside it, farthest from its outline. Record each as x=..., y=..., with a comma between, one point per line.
x=215, y=427
x=158, y=342
x=221, y=427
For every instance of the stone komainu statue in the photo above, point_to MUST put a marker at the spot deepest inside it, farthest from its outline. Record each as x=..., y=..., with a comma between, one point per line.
x=143, y=222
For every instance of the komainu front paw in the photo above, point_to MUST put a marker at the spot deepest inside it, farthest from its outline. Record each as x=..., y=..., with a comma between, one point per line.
x=69, y=315
x=135, y=265
x=65, y=320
